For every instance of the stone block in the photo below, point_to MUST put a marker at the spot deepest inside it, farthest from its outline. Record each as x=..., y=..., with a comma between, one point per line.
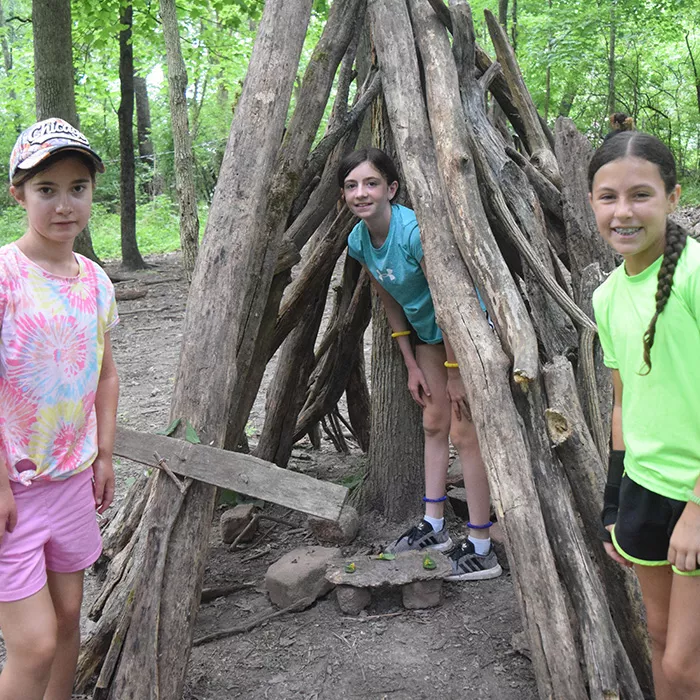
x=341, y=532
x=300, y=573
x=422, y=594
x=351, y=600
x=234, y=521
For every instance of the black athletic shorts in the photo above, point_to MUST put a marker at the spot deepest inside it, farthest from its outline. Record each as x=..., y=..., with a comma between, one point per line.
x=645, y=522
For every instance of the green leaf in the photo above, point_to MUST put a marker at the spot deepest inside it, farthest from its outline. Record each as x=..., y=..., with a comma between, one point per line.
x=170, y=429
x=191, y=434
x=428, y=563
x=385, y=556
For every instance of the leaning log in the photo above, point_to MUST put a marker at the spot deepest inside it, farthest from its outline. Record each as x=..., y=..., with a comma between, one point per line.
x=229, y=288
x=470, y=225
x=585, y=471
x=483, y=363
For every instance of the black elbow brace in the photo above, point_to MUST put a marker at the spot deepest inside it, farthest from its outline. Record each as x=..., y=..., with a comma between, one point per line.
x=611, y=495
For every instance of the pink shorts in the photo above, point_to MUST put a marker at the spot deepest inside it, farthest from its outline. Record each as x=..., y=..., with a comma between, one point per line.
x=56, y=531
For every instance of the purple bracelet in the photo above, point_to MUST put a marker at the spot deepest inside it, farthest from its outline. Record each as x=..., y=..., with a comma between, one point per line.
x=434, y=500
x=479, y=527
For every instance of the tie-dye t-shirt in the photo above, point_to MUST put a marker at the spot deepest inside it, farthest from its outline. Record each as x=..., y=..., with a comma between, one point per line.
x=52, y=334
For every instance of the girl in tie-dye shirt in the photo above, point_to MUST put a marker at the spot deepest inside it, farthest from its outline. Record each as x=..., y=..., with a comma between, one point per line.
x=58, y=402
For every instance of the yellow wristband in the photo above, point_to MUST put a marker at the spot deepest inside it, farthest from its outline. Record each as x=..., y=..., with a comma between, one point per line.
x=451, y=365
x=399, y=334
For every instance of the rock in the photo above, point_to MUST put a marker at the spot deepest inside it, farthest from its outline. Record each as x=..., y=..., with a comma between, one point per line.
x=341, y=532
x=422, y=594
x=299, y=574
x=352, y=600
x=454, y=473
x=375, y=573
x=457, y=497
x=234, y=521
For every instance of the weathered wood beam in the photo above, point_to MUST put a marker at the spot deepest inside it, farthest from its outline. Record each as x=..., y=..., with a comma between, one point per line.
x=235, y=471
x=541, y=151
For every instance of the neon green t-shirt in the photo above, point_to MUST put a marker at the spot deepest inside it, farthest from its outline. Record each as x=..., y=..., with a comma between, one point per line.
x=660, y=410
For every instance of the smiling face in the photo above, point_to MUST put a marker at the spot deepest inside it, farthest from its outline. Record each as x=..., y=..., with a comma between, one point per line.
x=58, y=202
x=368, y=194
x=630, y=204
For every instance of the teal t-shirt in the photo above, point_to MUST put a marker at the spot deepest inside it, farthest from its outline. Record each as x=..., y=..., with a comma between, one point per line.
x=396, y=266
x=660, y=410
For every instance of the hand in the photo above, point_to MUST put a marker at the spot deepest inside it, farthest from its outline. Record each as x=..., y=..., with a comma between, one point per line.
x=684, y=548
x=416, y=384
x=614, y=554
x=8, y=511
x=458, y=395
x=103, y=483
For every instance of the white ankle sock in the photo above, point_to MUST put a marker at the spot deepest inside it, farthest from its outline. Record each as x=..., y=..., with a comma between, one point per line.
x=481, y=547
x=437, y=523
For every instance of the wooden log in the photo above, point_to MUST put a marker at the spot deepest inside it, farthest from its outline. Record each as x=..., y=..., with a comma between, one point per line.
x=511, y=204
x=332, y=372
x=541, y=153
x=598, y=634
x=470, y=225
x=584, y=244
x=287, y=391
x=314, y=274
x=235, y=471
x=586, y=473
x=596, y=392
x=358, y=399
x=229, y=288
x=123, y=525
x=484, y=364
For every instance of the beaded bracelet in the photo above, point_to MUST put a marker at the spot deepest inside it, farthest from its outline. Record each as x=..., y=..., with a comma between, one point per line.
x=399, y=334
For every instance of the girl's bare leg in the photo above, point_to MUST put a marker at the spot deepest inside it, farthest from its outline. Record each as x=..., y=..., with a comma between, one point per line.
x=29, y=629
x=436, y=424
x=67, y=595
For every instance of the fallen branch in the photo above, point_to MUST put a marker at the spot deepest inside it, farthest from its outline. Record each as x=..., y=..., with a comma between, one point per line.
x=297, y=606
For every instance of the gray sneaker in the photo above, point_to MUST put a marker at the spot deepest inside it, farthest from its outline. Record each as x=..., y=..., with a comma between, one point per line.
x=467, y=565
x=421, y=536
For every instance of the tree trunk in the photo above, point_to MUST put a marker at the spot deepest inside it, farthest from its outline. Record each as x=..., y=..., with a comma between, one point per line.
x=395, y=474
x=612, y=99
x=182, y=143
x=54, y=86
x=228, y=292
x=131, y=257
x=153, y=183
x=485, y=366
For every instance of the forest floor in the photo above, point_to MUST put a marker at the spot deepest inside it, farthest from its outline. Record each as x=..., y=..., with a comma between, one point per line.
x=468, y=647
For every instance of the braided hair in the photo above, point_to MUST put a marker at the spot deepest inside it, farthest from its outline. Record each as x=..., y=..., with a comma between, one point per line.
x=637, y=144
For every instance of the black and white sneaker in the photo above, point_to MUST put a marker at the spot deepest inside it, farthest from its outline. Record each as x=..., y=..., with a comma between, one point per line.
x=421, y=536
x=467, y=565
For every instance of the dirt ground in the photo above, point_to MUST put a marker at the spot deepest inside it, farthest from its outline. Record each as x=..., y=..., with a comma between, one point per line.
x=467, y=647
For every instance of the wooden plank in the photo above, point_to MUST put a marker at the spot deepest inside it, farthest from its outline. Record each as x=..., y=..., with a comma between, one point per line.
x=235, y=471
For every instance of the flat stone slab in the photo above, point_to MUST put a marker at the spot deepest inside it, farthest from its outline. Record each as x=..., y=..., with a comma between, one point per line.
x=374, y=573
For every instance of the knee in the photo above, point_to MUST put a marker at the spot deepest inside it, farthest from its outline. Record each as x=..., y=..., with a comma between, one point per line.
x=436, y=424
x=681, y=672
x=35, y=653
x=463, y=436
x=68, y=618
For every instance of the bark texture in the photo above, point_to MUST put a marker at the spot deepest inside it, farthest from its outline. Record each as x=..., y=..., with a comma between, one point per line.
x=182, y=141
x=131, y=257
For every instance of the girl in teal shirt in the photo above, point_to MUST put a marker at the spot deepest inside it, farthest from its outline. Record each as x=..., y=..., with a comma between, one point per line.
x=387, y=241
